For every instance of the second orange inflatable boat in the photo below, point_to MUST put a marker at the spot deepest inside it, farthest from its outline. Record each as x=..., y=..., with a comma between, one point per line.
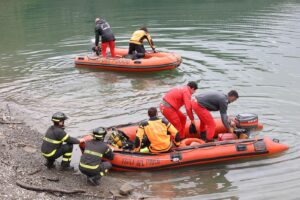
x=152, y=62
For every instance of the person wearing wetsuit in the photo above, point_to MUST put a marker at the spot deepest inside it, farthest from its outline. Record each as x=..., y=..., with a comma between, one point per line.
x=213, y=101
x=136, y=47
x=159, y=133
x=103, y=29
x=173, y=101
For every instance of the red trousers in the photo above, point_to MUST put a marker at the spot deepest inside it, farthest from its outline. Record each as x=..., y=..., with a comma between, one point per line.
x=175, y=117
x=207, y=122
x=111, y=45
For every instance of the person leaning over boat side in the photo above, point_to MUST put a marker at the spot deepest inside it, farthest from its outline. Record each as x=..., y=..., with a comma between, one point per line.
x=213, y=101
x=90, y=163
x=136, y=43
x=173, y=101
x=103, y=29
x=157, y=134
x=58, y=143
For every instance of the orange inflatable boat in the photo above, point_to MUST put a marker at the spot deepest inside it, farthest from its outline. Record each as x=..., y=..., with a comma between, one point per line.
x=192, y=151
x=152, y=62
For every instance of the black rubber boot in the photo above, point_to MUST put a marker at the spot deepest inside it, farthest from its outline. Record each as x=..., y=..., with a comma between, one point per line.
x=203, y=135
x=50, y=164
x=93, y=180
x=65, y=166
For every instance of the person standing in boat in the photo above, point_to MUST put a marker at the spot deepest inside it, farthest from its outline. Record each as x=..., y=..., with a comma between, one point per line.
x=136, y=47
x=91, y=163
x=213, y=101
x=103, y=29
x=58, y=143
x=173, y=101
x=156, y=134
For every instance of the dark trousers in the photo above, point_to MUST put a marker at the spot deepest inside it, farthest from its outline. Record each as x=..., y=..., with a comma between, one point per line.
x=100, y=171
x=64, y=150
x=137, y=50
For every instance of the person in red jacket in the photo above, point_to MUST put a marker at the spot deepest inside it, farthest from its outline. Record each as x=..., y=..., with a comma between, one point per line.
x=173, y=101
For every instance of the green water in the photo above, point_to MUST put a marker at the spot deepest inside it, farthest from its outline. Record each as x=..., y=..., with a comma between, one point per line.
x=252, y=46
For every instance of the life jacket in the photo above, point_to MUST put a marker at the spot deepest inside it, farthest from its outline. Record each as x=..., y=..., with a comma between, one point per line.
x=160, y=133
x=138, y=37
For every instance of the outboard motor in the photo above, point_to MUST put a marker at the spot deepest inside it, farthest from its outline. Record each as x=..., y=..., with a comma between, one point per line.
x=245, y=124
x=247, y=121
x=98, y=51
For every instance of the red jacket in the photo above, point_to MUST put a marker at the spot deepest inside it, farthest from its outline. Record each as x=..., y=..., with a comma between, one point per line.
x=178, y=97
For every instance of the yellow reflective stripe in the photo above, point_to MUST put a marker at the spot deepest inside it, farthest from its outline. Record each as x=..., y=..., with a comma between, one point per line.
x=101, y=174
x=89, y=166
x=52, y=141
x=93, y=153
x=68, y=154
x=49, y=154
x=66, y=159
x=56, y=141
x=65, y=138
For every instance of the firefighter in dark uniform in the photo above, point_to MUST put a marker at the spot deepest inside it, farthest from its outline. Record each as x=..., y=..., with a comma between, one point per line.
x=91, y=163
x=136, y=43
x=58, y=143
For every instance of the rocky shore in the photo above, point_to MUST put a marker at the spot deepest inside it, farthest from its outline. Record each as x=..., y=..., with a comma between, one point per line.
x=23, y=175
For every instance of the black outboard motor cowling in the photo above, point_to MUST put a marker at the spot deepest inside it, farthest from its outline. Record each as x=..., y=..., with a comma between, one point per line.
x=247, y=121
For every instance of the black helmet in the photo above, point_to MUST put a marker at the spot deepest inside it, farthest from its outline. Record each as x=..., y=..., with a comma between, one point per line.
x=59, y=116
x=99, y=132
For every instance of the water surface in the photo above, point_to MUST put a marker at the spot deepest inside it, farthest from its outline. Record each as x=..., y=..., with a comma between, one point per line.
x=249, y=45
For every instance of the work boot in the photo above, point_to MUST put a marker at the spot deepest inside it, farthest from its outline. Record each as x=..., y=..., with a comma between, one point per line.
x=93, y=180
x=49, y=164
x=203, y=135
x=65, y=166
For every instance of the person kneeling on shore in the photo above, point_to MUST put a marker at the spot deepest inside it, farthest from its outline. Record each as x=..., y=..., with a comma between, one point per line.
x=91, y=160
x=156, y=134
x=58, y=143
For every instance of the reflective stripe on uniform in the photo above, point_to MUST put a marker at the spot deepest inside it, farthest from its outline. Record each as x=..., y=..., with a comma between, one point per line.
x=65, y=138
x=52, y=141
x=68, y=154
x=93, y=153
x=66, y=159
x=50, y=154
x=56, y=141
x=101, y=174
x=89, y=166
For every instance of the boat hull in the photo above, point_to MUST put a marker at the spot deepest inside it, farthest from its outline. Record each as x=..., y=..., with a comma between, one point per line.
x=152, y=62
